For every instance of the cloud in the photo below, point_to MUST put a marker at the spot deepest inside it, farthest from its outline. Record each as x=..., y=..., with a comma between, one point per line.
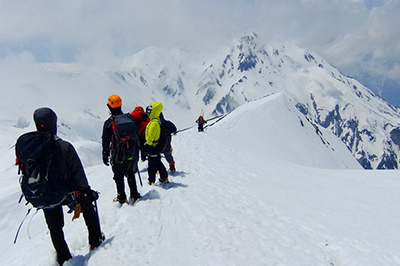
x=370, y=49
x=358, y=36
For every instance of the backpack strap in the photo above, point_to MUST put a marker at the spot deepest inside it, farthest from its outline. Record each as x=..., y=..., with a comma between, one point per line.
x=20, y=165
x=113, y=126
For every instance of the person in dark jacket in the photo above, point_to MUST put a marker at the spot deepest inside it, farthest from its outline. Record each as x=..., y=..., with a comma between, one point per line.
x=70, y=170
x=200, y=122
x=168, y=154
x=126, y=167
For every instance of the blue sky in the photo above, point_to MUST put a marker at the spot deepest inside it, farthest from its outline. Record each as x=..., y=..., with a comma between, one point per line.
x=360, y=37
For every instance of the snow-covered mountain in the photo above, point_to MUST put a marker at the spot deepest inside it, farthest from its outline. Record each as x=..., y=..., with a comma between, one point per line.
x=261, y=186
x=265, y=184
x=249, y=69
x=190, y=83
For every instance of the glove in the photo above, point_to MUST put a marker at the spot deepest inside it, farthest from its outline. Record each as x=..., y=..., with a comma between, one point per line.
x=106, y=155
x=90, y=194
x=105, y=160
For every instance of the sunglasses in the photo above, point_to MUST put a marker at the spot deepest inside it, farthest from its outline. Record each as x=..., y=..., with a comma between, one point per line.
x=149, y=109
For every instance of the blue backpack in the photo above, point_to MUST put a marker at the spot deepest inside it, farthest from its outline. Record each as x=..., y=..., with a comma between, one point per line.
x=40, y=181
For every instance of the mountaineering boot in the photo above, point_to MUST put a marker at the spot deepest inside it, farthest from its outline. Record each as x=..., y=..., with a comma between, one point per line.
x=101, y=240
x=166, y=180
x=134, y=199
x=122, y=201
x=61, y=259
x=172, y=168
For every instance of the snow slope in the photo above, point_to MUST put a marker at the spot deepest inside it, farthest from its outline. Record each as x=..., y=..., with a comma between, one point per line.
x=256, y=188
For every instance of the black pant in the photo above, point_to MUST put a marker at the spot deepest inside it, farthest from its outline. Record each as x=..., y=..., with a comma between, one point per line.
x=55, y=223
x=155, y=165
x=128, y=169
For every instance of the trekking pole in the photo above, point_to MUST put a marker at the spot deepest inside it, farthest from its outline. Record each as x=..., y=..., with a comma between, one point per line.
x=140, y=178
x=97, y=213
x=137, y=168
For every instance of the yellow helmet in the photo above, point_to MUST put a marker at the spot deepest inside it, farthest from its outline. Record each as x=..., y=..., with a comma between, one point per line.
x=114, y=101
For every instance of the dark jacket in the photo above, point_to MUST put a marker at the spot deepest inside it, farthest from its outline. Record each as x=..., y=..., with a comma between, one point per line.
x=68, y=163
x=108, y=133
x=70, y=166
x=106, y=137
x=201, y=120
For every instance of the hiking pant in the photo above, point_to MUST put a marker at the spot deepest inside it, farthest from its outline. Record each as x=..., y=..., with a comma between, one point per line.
x=92, y=222
x=155, y=165
x=55, y=223
x=169, y=158
x=125, y=169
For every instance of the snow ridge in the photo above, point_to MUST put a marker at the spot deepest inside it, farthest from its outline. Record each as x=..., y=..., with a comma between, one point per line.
x=232, y=202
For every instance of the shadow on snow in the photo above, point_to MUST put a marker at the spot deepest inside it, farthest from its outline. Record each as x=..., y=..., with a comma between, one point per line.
x=83, y=260
x=170, y=185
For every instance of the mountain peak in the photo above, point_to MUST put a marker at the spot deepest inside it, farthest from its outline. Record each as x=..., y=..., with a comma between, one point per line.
x=249, y=38
x=247, y=42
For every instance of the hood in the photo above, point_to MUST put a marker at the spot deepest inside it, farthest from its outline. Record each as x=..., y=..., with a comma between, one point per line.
x=45, y=120
x=115, y=111
x=162, y=119
x=156, y=111
x=138, y=112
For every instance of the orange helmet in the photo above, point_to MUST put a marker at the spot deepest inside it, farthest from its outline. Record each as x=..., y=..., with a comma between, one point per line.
x=114, y=101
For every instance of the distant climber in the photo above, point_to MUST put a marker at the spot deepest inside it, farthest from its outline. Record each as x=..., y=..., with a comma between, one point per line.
x=200, y=122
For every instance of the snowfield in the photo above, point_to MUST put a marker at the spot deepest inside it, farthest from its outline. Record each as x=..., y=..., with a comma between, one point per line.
x=256, y=188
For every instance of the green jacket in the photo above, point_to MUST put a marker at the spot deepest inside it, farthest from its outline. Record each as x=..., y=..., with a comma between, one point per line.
x=153, y=129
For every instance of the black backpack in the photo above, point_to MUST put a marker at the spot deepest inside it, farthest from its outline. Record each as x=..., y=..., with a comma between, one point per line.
x=41, y=183
x=125, y=145
x=164, y=142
